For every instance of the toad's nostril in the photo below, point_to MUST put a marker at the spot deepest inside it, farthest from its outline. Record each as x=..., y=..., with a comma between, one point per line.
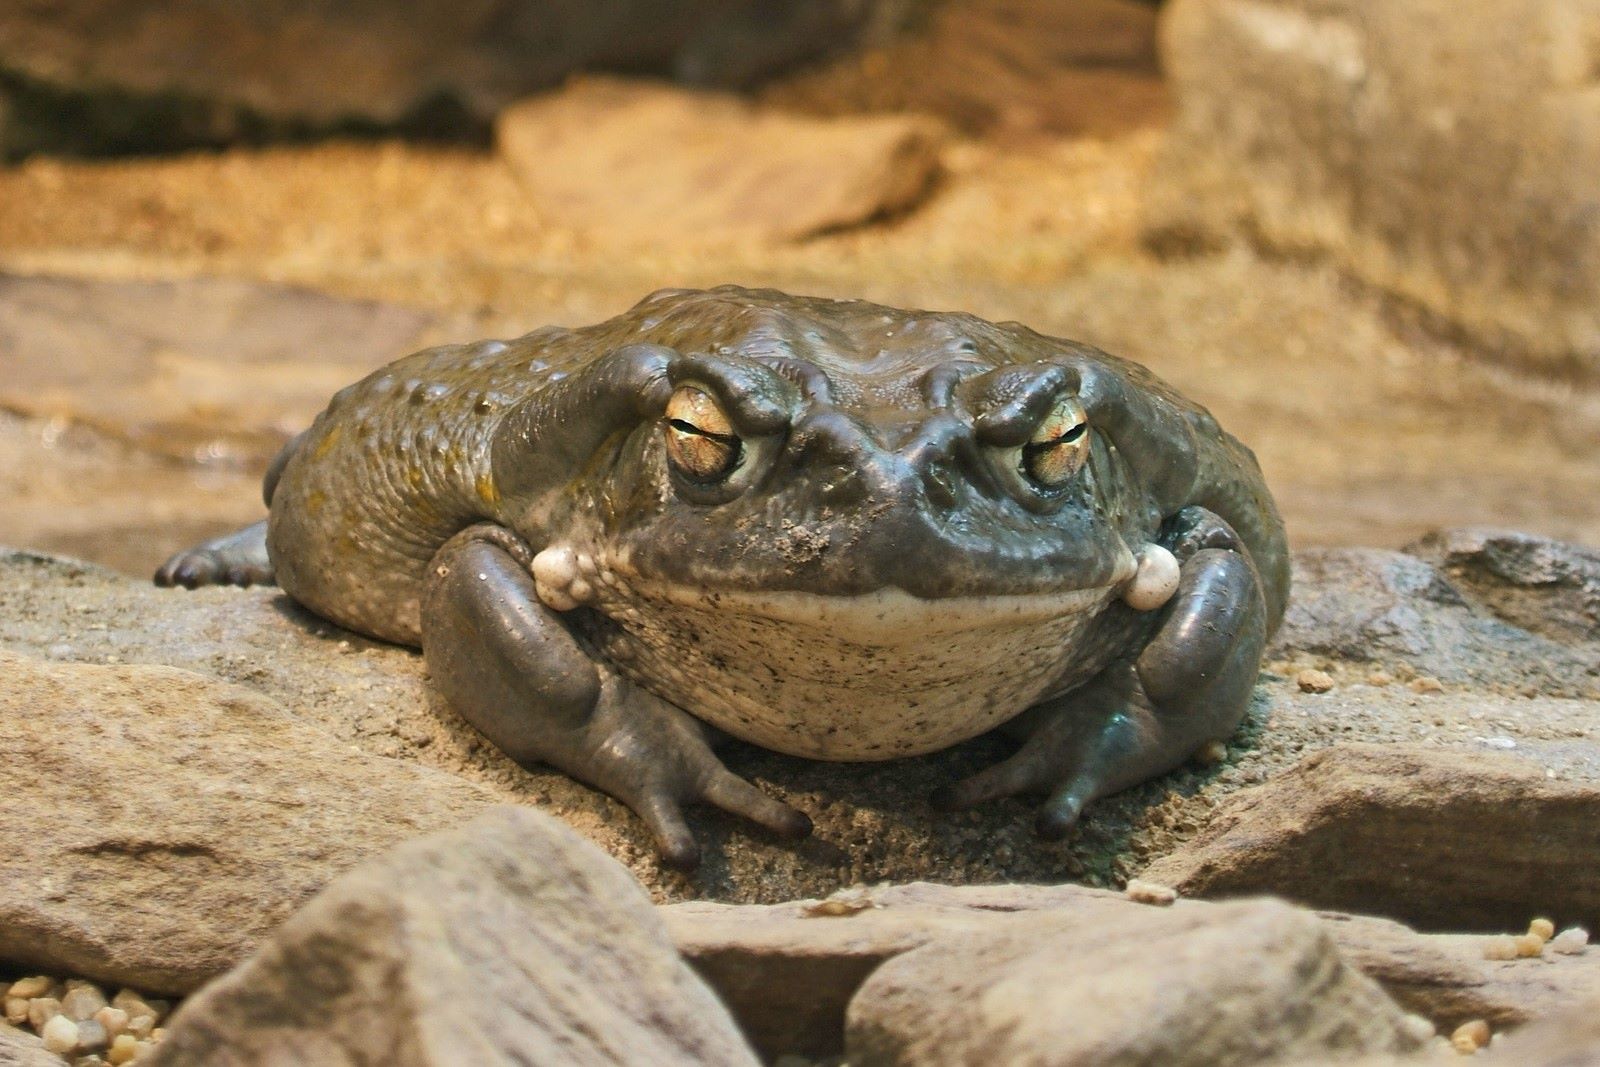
x=939, y=486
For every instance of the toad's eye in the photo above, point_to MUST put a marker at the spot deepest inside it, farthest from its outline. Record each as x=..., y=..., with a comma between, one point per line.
x=701, y=444
x=1059, y=446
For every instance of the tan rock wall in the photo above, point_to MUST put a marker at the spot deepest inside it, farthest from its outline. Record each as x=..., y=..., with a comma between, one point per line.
x=1447, y=151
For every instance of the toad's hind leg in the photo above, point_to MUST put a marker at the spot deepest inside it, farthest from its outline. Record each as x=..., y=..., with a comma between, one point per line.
x=238, y=558
x=1144, y=715
x=510, y=666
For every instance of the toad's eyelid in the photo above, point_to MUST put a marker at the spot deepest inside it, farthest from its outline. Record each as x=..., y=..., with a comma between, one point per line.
x=688, y=427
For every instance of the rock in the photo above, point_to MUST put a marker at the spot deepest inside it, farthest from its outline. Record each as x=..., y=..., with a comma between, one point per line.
x=112, y=75
x=1565, y=1040
x=1547, y=587
x=199, y=369
x=41, y=1010
x=1443, y=151
x=1471, y=607
x=173, y=820
x=81, y=1002
x=21, y=1049
x=788, y=971
x=1440, y=840
x=715, y=165
x=510, y=940
x=1448, y=978
x=60, y=1035
x=1249, y=982
x=1087, y=69
x=18, y=1048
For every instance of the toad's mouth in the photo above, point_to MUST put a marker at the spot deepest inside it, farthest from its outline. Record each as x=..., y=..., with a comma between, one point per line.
x=885, y=617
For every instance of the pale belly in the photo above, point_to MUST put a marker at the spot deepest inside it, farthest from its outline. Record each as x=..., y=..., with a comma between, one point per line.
x=869, y=677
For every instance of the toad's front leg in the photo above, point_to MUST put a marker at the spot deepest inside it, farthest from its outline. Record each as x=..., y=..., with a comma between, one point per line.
x=1145, y=714
x=510, y=666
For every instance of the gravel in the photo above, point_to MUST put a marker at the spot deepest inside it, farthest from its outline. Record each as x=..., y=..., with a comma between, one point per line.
x=75, y=1020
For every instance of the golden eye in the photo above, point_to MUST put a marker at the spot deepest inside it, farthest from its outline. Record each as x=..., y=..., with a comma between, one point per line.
x=701, y=443
x=1058, y=448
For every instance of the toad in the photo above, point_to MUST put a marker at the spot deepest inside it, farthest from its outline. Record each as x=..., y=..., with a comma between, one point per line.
x=835, y=529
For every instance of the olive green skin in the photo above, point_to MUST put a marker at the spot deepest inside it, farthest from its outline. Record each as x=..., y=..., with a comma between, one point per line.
x=879, y=456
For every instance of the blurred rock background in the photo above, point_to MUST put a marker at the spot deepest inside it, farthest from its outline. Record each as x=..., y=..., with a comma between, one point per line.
x=1368, y=238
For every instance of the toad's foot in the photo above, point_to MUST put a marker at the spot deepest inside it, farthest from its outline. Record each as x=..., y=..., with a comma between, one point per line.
x=239, y=558
x=1139, y=718
x=510, y=666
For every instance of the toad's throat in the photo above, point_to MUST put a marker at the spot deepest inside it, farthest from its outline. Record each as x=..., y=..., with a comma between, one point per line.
x=873, y=676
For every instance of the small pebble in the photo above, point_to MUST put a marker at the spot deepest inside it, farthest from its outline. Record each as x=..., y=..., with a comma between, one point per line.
x=1142, y=892
x=92, y=1037
x=1314, y=681
x=41, y=1010
x=1503, y=947
x=16, y=1010
x=1380, y=679
x=1470, y=1037
x=140, y=1026
x=1418, y=1028
x=132, y=1003
x=115, y=1020
x=1571, y=941
x=123, y=1049
x=28, y=988
x=1211, y=753
x=1530, y=945
x=82, y=1001
x=60, y=1035
x=1543, y=929
x=844, y=902
x=1426, y=684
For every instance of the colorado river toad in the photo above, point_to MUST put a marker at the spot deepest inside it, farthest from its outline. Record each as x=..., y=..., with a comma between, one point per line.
x=834, y=529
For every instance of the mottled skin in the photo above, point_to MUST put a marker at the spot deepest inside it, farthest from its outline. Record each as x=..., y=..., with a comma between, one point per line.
x=878, y=574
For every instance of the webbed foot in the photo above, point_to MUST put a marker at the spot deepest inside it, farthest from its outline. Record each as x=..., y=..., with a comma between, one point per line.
x=239, y=558
x=509, y=665
x=1144, y=715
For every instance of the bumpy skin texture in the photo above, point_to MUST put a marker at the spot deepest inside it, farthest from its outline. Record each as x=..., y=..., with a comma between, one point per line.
x=878, y=574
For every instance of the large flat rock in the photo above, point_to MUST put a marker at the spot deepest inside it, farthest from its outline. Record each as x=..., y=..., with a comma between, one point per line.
x=200, y=370
x=1445, y=840
x=162, y=822
x=873, y=822
x=1443, y=150
x=716, y=166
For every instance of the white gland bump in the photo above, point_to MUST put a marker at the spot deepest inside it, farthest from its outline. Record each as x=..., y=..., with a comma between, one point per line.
x=558, y=579
x=1155, y=580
